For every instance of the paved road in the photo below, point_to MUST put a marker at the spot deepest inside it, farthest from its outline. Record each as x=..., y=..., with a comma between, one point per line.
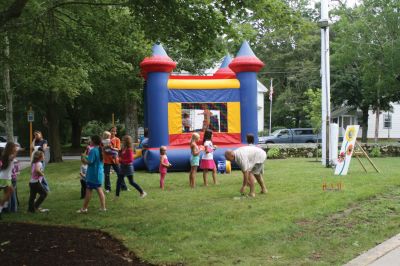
x=25, y=161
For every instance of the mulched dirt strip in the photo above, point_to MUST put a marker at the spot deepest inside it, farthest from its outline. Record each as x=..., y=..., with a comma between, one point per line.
x=32, y=244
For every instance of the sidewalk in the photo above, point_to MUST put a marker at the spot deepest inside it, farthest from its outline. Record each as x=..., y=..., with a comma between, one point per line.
x=24, y=161
x=385, y=254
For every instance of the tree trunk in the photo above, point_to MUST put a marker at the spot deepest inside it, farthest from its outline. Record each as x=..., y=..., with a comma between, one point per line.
x=76, y=126
x=8, y=92
x=131, y=120
x=364, y=124
x=54, y=129
x=76, y=132
x=377, y=113
x=13, y=11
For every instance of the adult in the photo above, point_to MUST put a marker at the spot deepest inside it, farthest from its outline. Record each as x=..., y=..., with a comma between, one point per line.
x=39, y=143
x=251, y=161
x=110, y=161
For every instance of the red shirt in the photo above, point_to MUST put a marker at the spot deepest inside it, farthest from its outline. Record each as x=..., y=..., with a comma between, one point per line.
x=126, y=156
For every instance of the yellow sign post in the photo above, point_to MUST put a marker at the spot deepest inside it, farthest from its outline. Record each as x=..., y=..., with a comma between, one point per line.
x=31, y=119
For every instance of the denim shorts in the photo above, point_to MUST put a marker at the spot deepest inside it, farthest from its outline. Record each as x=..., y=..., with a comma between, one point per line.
x=194, y=160
x=126, y=169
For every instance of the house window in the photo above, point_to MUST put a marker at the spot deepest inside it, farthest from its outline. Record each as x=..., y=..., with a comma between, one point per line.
x=387, y=121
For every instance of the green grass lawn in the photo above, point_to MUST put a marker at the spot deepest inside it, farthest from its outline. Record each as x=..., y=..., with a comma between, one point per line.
x=296, y=223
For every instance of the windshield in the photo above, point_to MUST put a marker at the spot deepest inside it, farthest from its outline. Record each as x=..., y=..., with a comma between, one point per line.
x=276, y=132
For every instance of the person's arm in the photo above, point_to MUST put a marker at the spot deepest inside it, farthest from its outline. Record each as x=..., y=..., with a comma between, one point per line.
x=91, y=158
x=44, y=147
x=131, y=155
x=162, y=161
x=245, y=178
x=195, y=151
x=38, y=171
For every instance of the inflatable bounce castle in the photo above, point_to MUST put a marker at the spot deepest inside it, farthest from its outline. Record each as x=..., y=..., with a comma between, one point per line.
x=174, y=105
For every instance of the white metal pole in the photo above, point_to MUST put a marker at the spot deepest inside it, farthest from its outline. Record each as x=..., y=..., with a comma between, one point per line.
x=270, y=107
x=328, y=96
x=325, y=84
x=323, y=100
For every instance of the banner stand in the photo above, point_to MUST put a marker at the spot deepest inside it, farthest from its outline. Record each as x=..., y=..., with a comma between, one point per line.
x=361, y=152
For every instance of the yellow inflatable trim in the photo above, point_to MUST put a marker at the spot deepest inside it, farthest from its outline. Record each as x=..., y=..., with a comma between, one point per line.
x=138, y=153
x=195, y=84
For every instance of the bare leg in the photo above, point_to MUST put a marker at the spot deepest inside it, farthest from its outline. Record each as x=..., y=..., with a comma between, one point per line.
x=7, y=194
x=260, y=181
x=251, y=183
x=102, y=198
x=192, y=176
x=244, y=183
x=214, y=175
x=88, y=196
x=205, y=172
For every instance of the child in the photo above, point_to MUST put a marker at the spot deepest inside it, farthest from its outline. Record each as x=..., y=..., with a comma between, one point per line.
x=82, y=175
x=94, y=175
x=126, y=160
x=207, y=162
x=194, y=158
x=7, y=165
x=186, y=123
x=164, y=165
x=14, y=202
x=35, y=184
x=107, y=144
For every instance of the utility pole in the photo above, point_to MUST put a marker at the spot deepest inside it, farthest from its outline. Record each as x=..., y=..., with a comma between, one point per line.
x=325, y=82
x=271, y=92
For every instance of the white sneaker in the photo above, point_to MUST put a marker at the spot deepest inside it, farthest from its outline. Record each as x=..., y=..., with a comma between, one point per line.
x=107, y=191
x=103, y=210
x=43, y=210
x=82, y=211
x=144, y=194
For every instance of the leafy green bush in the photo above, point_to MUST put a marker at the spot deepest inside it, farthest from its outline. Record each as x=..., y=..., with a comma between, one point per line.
x=274, y=153
x=375, y=152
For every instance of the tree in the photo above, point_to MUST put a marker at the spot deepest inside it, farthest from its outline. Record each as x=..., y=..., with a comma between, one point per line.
x=365, y=48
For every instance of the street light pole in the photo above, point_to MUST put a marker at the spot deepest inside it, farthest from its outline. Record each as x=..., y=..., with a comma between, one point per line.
x=325, y=82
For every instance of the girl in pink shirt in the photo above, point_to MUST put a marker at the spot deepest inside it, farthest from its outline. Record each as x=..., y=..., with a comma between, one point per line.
x=35, y=184
x=126, y=161
x=164, y=165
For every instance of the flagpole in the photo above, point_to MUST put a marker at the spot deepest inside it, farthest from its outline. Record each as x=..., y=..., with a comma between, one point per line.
x=270, y=107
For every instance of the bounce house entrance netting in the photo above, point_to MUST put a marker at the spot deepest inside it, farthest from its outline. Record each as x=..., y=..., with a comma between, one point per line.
x=218, y=118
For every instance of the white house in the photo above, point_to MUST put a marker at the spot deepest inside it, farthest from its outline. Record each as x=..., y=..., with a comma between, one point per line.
x=261, y=91
x=389, y=122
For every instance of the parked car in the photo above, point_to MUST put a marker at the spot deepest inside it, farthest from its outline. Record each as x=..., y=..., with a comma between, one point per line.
x=291, y=135
x=3, y=142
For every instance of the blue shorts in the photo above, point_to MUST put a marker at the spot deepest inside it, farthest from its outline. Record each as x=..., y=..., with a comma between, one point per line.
x=91, y=185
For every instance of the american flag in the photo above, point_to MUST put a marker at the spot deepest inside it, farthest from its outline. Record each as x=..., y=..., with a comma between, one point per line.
x=271, y=91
